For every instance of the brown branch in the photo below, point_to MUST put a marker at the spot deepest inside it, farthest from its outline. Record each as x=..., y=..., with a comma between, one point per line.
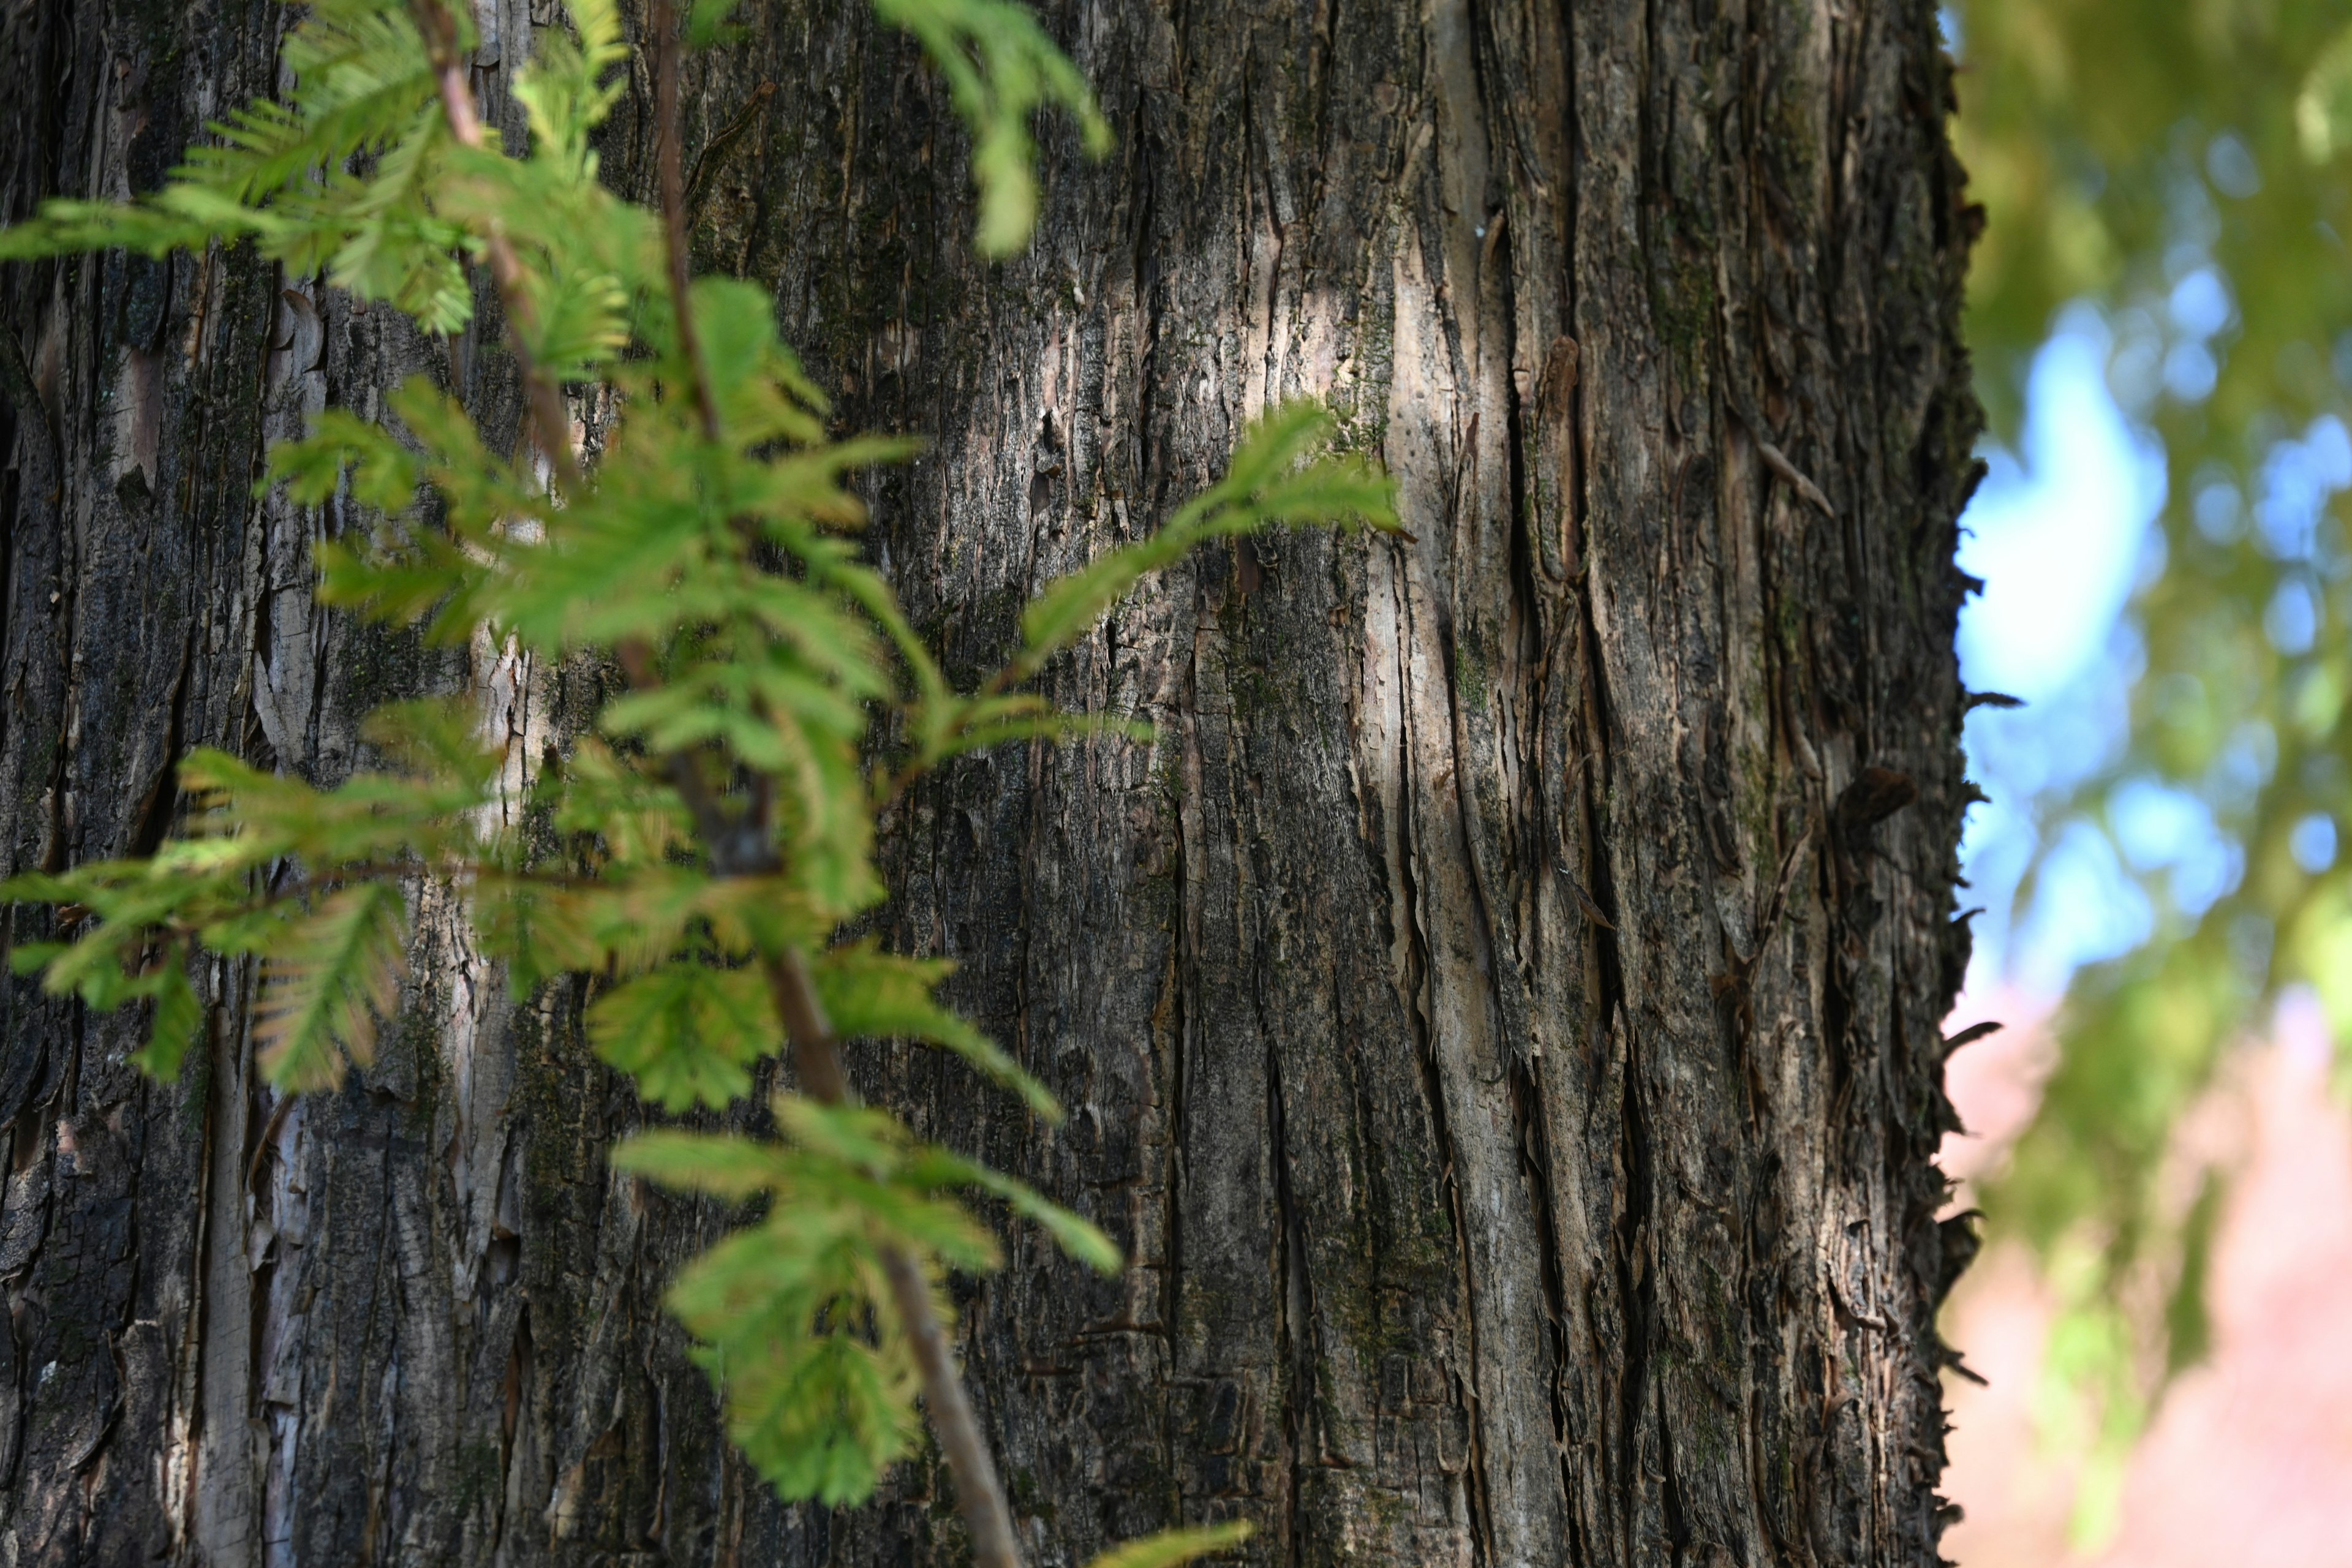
x=669, y=162
x=979, y=1493
x=545, y=397
x=817, y=1056
x=1778, y=461
x=816, y=1052
x=746, y=849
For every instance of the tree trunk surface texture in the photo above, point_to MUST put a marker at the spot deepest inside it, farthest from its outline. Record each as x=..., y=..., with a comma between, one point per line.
x=1498, y=1007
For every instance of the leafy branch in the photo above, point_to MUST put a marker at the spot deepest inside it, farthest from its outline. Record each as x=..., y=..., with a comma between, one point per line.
x=717, y=833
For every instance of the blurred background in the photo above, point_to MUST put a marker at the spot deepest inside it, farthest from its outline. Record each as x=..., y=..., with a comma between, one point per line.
x=2157, y=1336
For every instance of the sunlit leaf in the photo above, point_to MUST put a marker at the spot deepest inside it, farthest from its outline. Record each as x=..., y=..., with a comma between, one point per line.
x=869, y=992
x=1170, y=1547
x=688, y=1033
x=326, y=981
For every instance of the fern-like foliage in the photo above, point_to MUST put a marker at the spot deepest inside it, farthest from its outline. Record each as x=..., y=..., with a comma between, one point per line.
x=328, y=978
x=716, y=832
x=788, y=1310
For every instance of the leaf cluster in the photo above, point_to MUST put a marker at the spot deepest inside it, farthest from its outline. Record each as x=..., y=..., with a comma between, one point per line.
x=793, y=1313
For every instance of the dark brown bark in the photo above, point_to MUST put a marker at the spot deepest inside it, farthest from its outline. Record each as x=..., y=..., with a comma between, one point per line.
x=1499, y=1010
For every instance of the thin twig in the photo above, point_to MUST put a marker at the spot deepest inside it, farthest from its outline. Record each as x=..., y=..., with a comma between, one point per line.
x=816, y=1052
x=669, y=162
x=545, y=398
x=980, y=1494
x=1778, y=461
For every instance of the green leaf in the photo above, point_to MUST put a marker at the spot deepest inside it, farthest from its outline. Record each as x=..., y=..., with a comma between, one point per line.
x=688, y=1033
x=280, y=174
x=383, y=475
x=1001, y=68
x=819, y=1419
x=1265, y=486
x=179, y=1019
x=1170, y=1547
x=326, y=980
x=433, y=738
x=565, y=91
x=708, y=23
x=155, y=227
x=795, y=1319
x=864, y=1137
x=249, y=817
x=2323, y=110
x=725, y=1165
x=1074, y=1235
x=26, y=957
x=868, y=992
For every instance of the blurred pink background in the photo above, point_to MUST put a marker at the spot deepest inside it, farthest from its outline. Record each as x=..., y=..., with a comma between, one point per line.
x=2249, y=1461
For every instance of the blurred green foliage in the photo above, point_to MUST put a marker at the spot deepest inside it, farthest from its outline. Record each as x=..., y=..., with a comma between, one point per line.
x=2186, y=165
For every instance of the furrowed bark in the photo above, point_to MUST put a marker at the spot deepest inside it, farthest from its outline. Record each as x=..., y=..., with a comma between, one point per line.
x=1499, y=1011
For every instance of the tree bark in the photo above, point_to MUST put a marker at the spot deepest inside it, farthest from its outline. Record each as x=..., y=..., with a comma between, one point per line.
x=1498, y=1007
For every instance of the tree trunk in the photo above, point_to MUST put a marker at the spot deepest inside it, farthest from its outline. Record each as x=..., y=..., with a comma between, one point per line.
x=1499, y=1007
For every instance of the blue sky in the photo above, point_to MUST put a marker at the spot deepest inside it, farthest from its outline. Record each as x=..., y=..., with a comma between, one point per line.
x=2062, y=533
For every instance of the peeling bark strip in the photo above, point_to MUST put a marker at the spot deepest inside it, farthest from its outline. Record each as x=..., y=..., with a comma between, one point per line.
x=1499, y=1009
